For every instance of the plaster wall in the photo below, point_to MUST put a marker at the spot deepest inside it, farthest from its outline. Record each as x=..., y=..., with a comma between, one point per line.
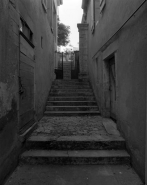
x=41, y=24
x=129, y=47
x=9, y=57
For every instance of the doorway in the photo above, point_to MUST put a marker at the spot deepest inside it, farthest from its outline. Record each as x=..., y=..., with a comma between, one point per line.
x=111, y=73
x=112, y=84
x=26, y=83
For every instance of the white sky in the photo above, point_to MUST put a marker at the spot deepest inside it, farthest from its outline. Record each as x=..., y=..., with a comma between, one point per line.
x=70, y=14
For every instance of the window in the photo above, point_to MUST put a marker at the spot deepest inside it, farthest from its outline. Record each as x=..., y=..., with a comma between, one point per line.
x=102, y=5
x=44, y=4
x=24, y=28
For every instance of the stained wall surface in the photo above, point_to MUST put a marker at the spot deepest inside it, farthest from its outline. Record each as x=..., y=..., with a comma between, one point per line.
x=41, y=24
x=120, y=29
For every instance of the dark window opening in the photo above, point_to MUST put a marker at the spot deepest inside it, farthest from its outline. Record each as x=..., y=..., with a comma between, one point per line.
x=24, y=28
x=41, y=42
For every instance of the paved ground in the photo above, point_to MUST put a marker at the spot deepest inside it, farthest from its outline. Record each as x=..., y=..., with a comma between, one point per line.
x=85, y=126
x=74, y=175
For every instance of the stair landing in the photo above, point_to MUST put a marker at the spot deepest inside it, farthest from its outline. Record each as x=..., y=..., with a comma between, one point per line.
x=74, y=175
x=76, y=140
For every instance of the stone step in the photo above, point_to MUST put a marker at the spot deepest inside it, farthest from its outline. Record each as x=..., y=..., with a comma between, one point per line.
x=69, y=82
x=75, y=157
x=71, y=94
x=71, y=103
x=71, y=108
x=71, y=90
x=74, y=143
x=71, y=98
x=71, y=113
x=71, y=87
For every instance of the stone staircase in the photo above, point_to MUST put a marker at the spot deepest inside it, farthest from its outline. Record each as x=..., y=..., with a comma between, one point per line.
x=68, y=99
x=71, y=98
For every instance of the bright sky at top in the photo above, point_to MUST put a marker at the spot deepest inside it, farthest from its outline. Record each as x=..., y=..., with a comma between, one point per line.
x=70, y=14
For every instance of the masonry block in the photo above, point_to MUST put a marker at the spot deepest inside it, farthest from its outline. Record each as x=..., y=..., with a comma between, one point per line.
x=83, y=54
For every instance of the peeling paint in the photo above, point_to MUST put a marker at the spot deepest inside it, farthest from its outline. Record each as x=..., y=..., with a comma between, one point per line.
x=9, y=117
x=6, y=97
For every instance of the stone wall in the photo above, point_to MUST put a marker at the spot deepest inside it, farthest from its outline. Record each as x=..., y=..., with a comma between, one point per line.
x=9, y=57
x=118, y=33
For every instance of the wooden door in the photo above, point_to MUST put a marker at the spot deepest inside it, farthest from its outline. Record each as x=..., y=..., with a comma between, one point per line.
x=26, y=84
x=112, y=87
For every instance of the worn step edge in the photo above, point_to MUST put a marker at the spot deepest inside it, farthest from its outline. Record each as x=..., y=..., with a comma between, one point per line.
x=71, y=90
x=71, y=94
x=70, y=113
x=68, y=82
x=72, y=108
x=71, y=86
x=78, y=98
x=70, y=103
x=65, y=143
x=76, y=157
x=79, y=106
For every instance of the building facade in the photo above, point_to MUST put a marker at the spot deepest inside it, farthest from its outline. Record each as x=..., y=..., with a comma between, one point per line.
x=28, y=35
x=117, y=54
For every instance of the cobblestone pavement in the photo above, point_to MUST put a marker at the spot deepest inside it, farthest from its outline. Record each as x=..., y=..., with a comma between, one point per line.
x=73, y=126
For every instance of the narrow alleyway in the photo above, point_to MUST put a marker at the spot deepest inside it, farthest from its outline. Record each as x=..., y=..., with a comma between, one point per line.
x=73, y=144
x=73, y=91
